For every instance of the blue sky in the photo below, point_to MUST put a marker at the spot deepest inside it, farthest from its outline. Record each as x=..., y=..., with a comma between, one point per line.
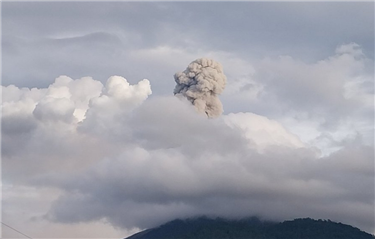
x=94, y=144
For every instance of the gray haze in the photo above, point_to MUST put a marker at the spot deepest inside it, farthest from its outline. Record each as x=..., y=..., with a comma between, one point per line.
x=201, y=83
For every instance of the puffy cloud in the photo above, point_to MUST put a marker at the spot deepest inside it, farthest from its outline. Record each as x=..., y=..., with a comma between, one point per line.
x=146, y=184
x=319, y=88
x=118, y=156
x=54, y=109
x=44, y=122
x=325, y=102
x=262, y=131
x=108, y=112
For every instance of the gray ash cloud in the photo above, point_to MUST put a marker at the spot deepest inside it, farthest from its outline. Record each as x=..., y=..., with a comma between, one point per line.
x=201, y=83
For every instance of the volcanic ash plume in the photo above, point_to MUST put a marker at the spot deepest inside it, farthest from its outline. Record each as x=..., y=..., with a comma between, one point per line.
x=201, y=83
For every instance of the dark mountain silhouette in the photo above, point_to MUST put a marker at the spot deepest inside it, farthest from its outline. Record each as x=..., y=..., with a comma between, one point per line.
x=252, y=228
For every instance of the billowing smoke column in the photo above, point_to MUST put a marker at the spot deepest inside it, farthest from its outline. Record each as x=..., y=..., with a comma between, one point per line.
x=201, y=83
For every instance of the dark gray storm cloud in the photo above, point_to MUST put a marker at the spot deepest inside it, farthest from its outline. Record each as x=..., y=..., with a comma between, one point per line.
x=201, y=83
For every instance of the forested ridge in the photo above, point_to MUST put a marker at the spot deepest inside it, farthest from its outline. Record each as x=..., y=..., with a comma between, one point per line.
x=252, y=228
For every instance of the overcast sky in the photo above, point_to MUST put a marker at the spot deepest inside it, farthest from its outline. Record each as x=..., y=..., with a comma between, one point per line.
x=95, y=144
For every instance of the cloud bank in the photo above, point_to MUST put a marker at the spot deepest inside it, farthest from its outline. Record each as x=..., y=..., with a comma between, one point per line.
x=134, y=161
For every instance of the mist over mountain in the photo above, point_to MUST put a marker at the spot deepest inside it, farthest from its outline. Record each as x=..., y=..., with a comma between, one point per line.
x=254, y=228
